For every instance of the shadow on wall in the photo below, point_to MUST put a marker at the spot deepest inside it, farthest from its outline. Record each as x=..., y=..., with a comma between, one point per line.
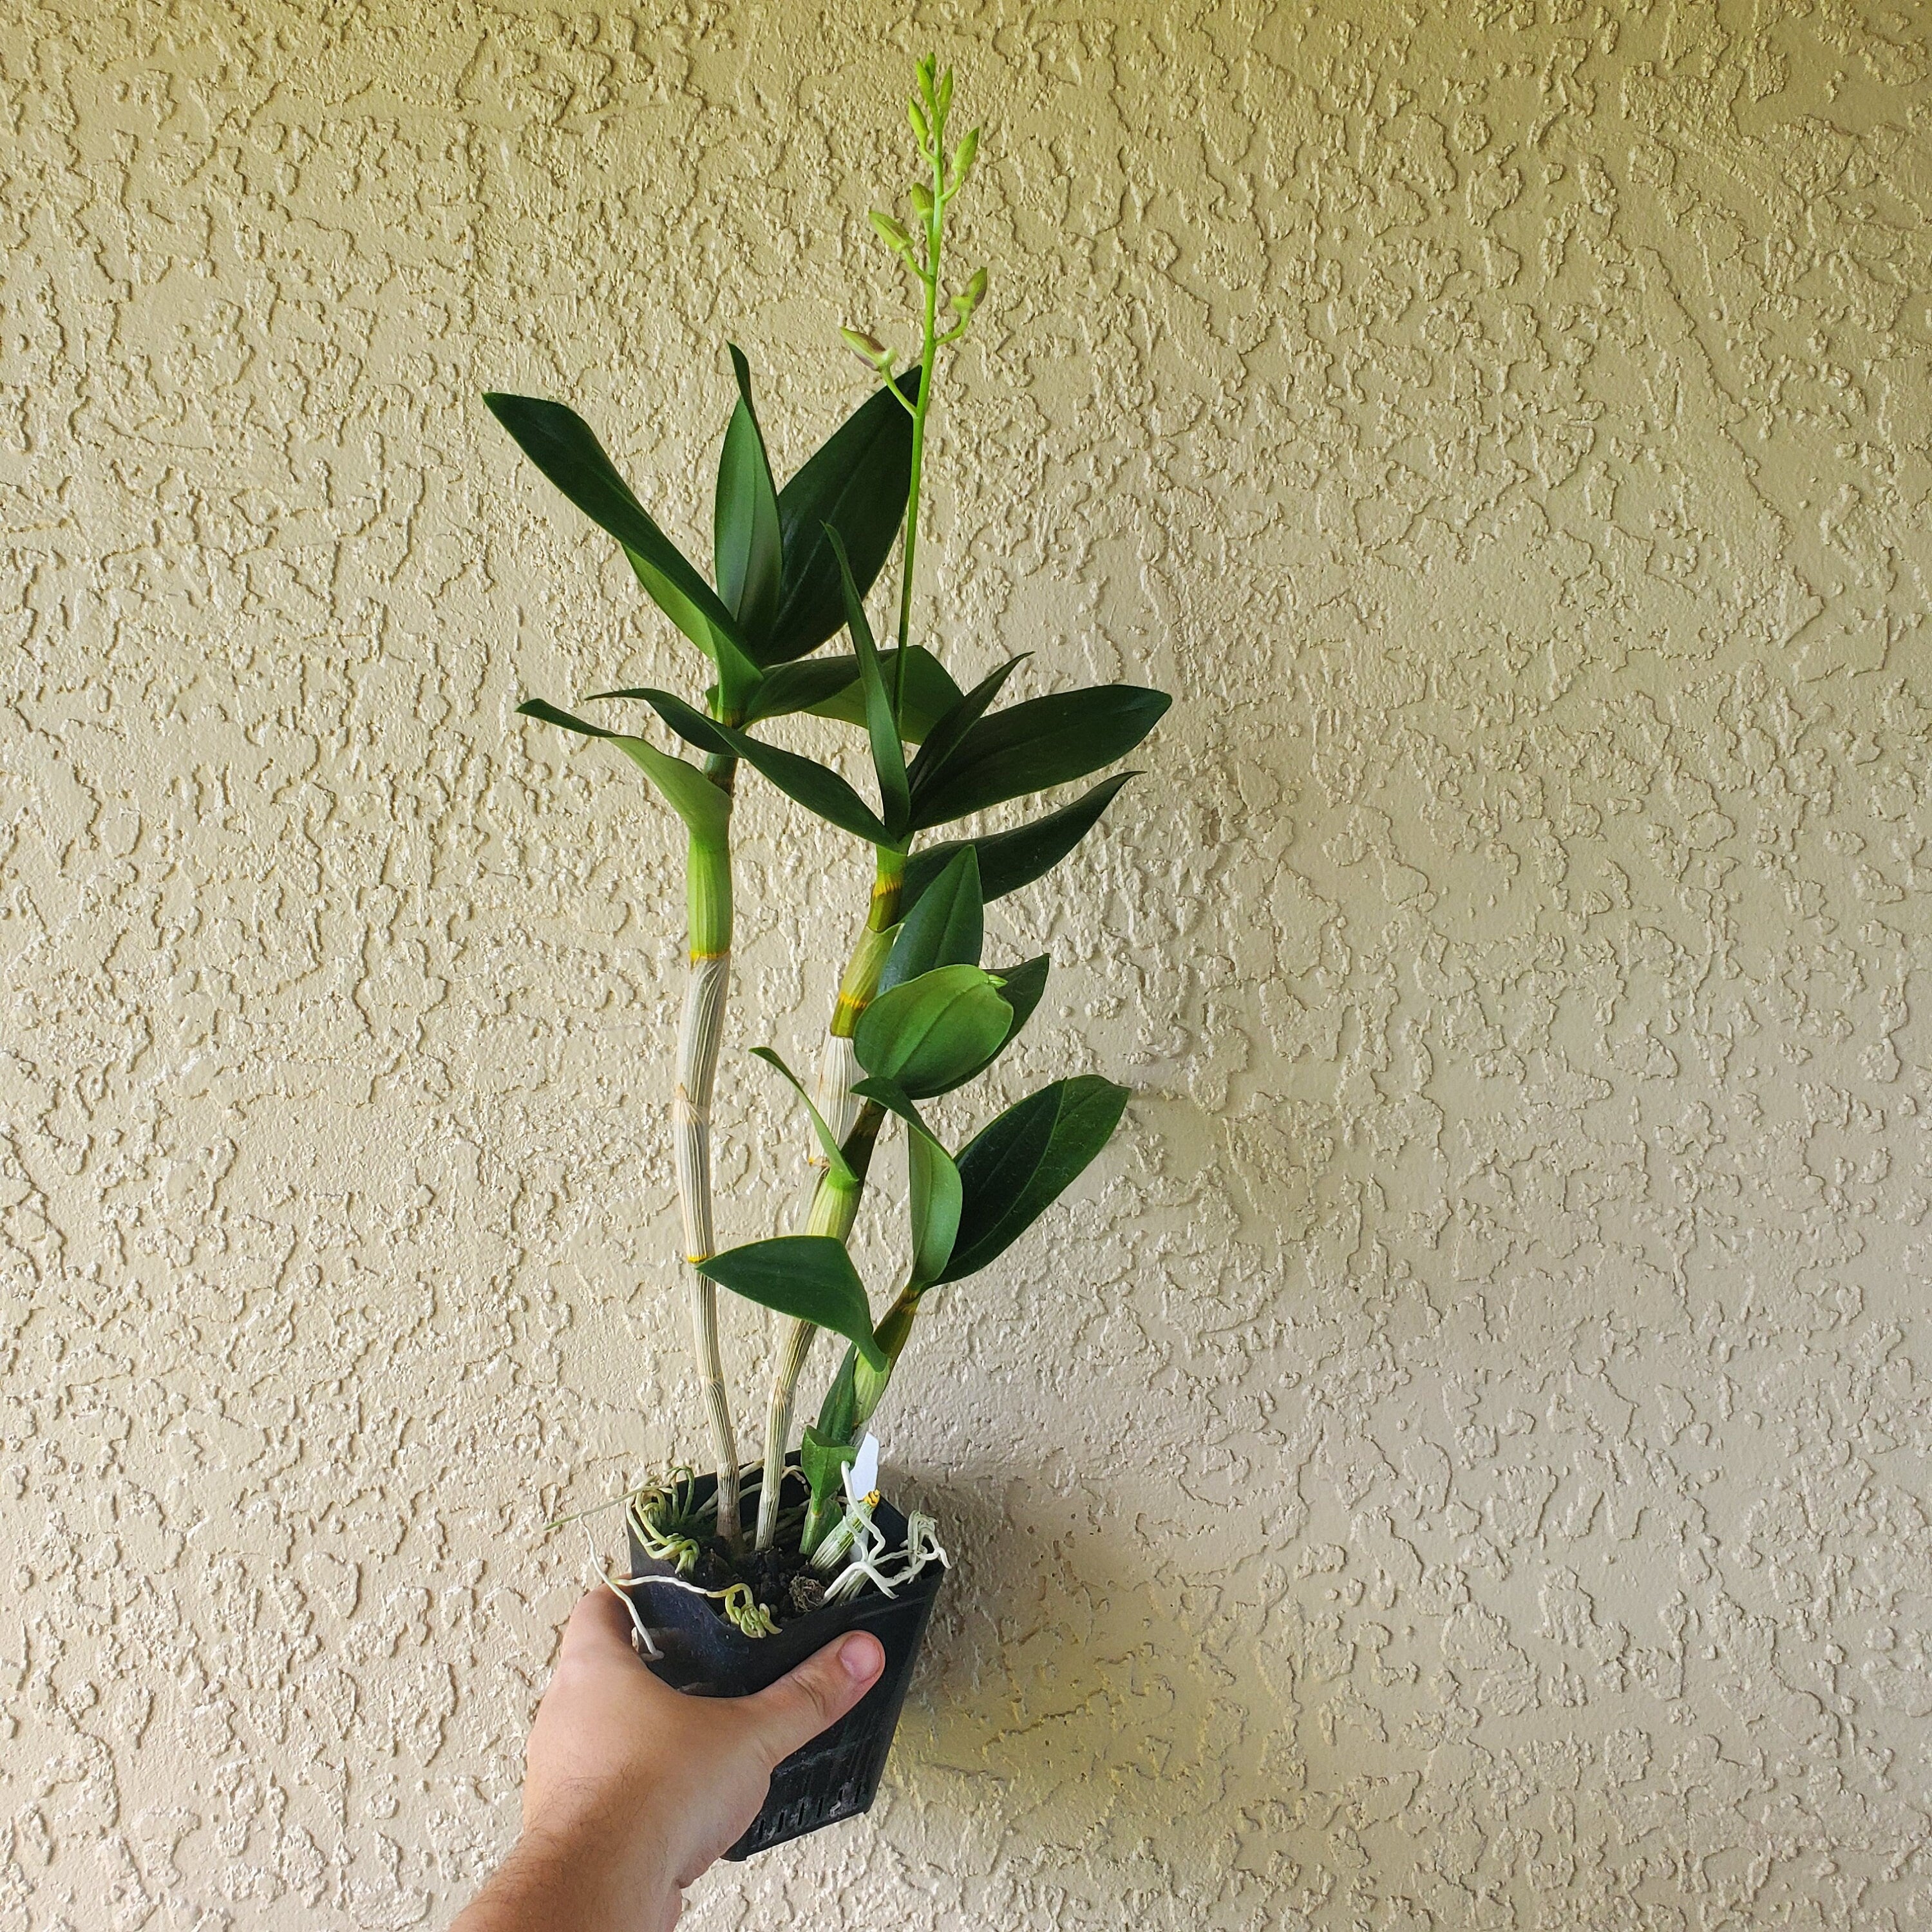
x=1082, y=1706
x=1087, y=1720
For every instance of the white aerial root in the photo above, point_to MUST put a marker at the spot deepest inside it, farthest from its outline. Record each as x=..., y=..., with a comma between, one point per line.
x=681, y=1552
x=863, y=1538
x=616, y=1586
x=855, y=1532
x=740, y=1606
x=670, y=1545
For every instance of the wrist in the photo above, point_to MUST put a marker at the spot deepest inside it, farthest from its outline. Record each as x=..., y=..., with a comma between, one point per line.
x=589, y=1869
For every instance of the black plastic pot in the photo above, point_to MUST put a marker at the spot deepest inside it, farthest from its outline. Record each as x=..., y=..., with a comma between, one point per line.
x=837, y=1774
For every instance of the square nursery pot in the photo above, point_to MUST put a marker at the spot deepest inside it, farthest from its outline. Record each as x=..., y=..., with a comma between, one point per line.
x=837, y=1774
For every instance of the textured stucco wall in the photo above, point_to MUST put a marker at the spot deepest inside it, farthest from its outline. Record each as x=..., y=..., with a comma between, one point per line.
x=1462, y=1461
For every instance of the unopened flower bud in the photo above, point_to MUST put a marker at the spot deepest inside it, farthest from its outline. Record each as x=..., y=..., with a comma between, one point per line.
x=920, y=196
x=963, y=158
x=867, y=347
x=915, y=115
x=892, y=230
x=972, y=295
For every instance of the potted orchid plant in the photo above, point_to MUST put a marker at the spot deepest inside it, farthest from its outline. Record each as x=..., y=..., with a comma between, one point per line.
x=738, y=1572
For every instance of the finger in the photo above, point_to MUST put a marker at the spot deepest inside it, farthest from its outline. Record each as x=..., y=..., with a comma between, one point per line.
x=598, y=1628
x=820, y=1692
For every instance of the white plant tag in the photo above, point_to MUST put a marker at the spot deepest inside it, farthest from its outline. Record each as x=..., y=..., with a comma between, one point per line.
x=862, y=1473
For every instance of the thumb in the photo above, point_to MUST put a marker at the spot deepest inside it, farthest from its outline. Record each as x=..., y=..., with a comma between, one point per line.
x=801, y=1704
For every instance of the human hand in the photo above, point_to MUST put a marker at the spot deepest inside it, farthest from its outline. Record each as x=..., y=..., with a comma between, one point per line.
x=632, y=1789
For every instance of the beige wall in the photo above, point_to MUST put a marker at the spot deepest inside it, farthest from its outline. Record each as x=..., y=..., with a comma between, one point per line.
x=1462, y=1461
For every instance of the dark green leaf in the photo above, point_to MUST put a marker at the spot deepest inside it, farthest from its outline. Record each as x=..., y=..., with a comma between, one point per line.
x=933, y=1185
x=692, y=795
x=828, y=687
x=946, y=734
x=546, y=713
x=1021, y=987
x=745, y=516
x=1020, y=1164
x=929, y=692
x=663, y=592
x=560, y=443
x=935, y=1196
x=686, y=720
x=823, y=1464
x=888, y=754
x=754, y=689
x=808, y=1277
x=928, y=1033
x=947, y=927
x=839, y=1413
x=803, y=686
x=857, y=483
x=1009, y=860
x=812, y=785
x=1046, y=741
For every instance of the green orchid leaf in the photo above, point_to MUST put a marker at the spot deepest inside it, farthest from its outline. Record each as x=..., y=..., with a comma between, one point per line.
x=810, y=1277
x=749, y=562
x=829, y=687
x=935, y=1196
x=945, y=735
x=756, y=689
x=929, y=692
x=1017, y=1167
x=686, y=720
x=1009, y=860
x=947, y=927
x=1029, y=747
x=663, y=590
x=1021, y=987
x=891, y=1095
x=928, y=1033
x=804, y=686
x=835, y=1155
x=888, y=754
x=933, y=1187
x=705, y=809
x=548, y=713
x=738, y=679
x=856, y=482
x=813, y=786
x=839, y=1413
x=823, y=1463
x=562, y=445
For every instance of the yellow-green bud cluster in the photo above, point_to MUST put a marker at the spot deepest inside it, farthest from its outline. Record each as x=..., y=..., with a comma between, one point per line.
x=917, y=246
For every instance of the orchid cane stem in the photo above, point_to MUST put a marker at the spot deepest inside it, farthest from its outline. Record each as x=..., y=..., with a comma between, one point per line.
x=833, y=1207
x=708, y=884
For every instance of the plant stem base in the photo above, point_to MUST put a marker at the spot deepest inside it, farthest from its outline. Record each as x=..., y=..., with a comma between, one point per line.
x=837, y=1774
